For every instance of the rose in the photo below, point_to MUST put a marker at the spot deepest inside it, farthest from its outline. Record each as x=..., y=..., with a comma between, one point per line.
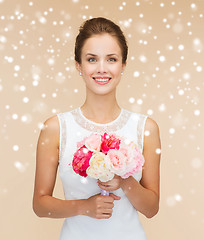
x=109, y=142
x=80, y=161
x=116, y=161
x=97, y=168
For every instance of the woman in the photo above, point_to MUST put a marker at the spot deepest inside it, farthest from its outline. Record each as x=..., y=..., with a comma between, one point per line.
x=100, y=54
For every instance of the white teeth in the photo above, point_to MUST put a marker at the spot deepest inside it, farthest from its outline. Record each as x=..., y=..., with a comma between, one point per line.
x=102, y=80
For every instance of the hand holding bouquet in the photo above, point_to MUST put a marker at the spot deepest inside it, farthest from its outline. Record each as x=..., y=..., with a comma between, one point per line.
x=103, y=156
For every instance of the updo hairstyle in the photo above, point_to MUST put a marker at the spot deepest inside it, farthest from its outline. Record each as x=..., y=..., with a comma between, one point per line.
x=97, y=26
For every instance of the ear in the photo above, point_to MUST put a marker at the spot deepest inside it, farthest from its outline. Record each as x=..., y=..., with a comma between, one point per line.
x=124, y=66
x=78, y=66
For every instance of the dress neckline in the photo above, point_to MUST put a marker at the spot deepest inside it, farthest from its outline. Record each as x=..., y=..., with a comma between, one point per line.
x=92, y=126
x=100, y=124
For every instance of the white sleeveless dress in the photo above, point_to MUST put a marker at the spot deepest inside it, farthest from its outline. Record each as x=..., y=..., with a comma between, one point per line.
x=124, y=222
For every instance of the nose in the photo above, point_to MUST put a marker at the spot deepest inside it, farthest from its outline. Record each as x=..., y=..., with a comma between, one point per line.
x=101, y=68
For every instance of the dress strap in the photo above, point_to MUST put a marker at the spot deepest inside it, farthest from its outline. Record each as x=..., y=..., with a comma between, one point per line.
x=140, y=130
x=63, y=131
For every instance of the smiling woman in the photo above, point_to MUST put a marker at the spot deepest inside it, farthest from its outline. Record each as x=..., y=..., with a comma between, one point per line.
x=100, y=54
x=102, y=65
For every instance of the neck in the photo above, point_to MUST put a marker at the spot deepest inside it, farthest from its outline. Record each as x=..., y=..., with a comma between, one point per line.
x=101, y=108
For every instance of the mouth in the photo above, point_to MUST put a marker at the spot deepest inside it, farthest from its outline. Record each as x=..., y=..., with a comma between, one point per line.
x=102, y=80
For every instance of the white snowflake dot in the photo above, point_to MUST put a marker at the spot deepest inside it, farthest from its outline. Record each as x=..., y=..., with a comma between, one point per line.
x=197, y=112
x=199, y=69
x=131, y=100
x=15, y=148
x=150, y=112
x=158, y=151
x=147, y=133
x=136, y=74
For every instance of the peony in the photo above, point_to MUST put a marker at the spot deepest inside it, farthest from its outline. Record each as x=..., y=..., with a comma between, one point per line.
x=116, y=161
x=93, y=142
x=97, y=168
x=80, y=161
x=135, y=159
x=109, y=142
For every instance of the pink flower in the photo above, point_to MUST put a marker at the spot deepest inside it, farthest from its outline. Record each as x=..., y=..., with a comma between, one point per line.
x=135, y=159
x=109, y=142
x=81, y=161
x=93, y=142
x=116, y=161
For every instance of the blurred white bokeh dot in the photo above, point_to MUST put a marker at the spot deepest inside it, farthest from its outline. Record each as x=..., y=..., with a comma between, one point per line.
x=197, y=112
x=131, y=100
x=171, y=130
x=40, y=125
x=51, y=61
x=136, y=74
x=22, y=88
x=147, y=133
x=35, y=83
x=76, y=90
x=26, y=118
x=178, y=197
x=199, y=69
x=186, y=76
x=84, y=180
x=158, y=151
x=196, y=163
x=162, y=58
x=20, y=166
x=193, y=6
x=15, y=116
x=172, y=68
x=181, y=92
x=25, y=99
x=17, y=68
x=15, y=148
x=181, y=47
x=150, y=112
x=139, y=101
x=162, y=107
x=143, y=58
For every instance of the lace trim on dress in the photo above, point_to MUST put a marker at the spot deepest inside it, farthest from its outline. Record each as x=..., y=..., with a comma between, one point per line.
x=89, y=125
x=62, y=122
x=140, y=131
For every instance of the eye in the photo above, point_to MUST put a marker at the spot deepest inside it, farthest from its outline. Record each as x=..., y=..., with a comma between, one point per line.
x=112, y=59
x=92, y=59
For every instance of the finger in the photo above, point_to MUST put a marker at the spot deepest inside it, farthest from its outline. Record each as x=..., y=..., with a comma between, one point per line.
x=107, y=188
x=114, y=196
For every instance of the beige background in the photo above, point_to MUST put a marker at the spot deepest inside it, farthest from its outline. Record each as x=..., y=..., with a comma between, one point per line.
x=163, y=79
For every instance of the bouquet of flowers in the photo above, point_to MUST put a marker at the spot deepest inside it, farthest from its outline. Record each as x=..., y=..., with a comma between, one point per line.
x=103, y=156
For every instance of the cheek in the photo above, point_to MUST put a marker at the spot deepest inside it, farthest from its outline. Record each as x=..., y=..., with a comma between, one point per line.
x=88, y=69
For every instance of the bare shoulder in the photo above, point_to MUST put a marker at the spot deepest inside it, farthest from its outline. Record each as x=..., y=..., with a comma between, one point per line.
x=152, y=135
x=52, y=123
x=151, y=126
x=51, y=130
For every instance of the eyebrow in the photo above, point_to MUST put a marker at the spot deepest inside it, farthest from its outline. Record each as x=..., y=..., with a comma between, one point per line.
x=94, y=55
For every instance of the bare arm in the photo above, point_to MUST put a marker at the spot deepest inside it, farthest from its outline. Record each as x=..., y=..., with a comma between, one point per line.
x=44, y=204
x=144, y=196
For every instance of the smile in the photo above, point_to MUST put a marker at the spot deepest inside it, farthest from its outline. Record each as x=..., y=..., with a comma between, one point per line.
x=102, y=80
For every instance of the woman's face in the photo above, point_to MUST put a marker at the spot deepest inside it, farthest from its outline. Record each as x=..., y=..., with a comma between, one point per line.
x=101, y=64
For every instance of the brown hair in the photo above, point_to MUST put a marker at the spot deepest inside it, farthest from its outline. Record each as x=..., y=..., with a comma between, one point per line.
x=96, y=26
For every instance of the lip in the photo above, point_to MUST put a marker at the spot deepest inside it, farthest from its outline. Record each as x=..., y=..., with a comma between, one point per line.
x=103, y=78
